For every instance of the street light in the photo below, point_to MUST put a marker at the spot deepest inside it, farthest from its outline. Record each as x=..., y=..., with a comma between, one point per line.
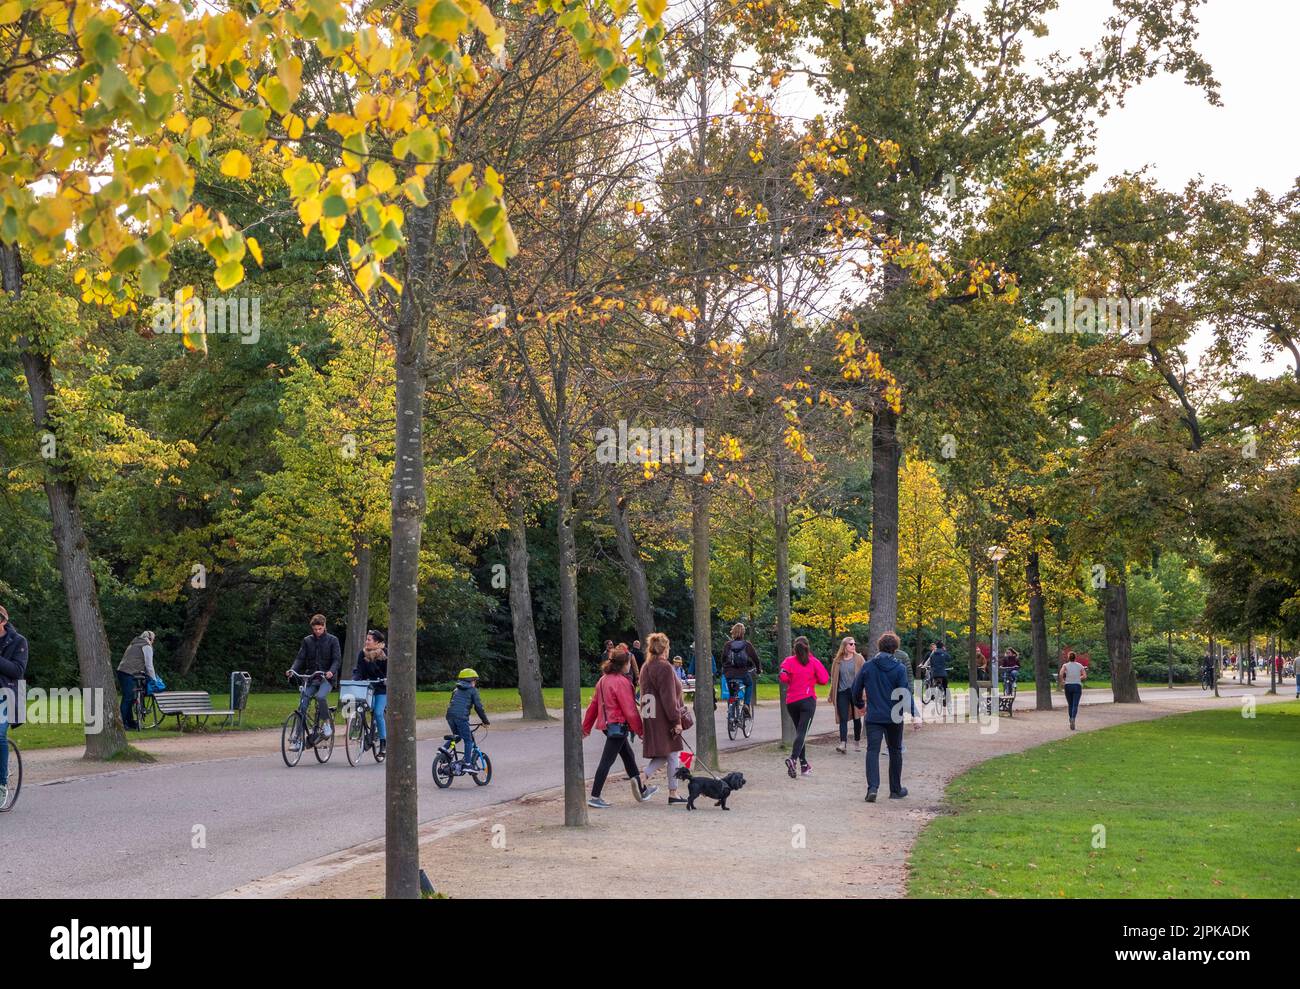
x=996, y=554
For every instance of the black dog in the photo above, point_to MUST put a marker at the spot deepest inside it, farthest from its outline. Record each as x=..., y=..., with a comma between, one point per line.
x=714, y=789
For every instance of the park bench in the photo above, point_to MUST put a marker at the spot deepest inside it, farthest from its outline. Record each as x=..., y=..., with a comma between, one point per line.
x=197, y=704
x=1007, y=698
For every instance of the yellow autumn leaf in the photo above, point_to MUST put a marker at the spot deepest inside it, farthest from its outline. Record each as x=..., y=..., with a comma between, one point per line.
x=381, y=176
x=177, y=123
x=309, y=212
x=200, y=127
x=255, y=249
x=236, y=164
x=457, y=178
x=10, y=12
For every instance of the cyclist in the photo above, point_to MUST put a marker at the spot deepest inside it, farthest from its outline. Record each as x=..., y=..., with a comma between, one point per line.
x=372, y=664
x=740, y=662
x=13, y=670
x=319, y=653
x=464, y=698
x=137, y=661
x=938, y=661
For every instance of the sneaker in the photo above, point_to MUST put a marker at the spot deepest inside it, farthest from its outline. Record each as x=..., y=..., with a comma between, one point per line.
x=871, y=796
x=597, y=803
x=1071, y=724
x=327, y=730
x=638, y=790
x=789, y=768
x=676, y=800
x=842, y=748
x=4, y=795
x=857, y=745
x=383, y=746
x=806, y=769
x=647, y=793
x=899, y=795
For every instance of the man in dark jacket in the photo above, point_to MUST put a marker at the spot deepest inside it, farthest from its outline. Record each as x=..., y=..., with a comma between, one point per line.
x=13, y=670
x=319, y=653
x=881, y=686
x=464, y=698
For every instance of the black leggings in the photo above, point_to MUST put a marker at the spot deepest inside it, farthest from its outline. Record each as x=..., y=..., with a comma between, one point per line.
x=845, y=710
x=801, y=713
x=615, y=746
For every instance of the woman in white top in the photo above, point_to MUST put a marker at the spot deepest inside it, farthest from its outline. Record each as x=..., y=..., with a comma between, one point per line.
x=1072, y=674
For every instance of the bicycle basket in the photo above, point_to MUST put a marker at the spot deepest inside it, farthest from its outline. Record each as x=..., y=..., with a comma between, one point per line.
x=354, y=691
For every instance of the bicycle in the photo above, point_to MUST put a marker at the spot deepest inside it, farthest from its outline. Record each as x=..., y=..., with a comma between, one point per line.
x=445, y=767
x=362, y=731
x=15, y=774
x=1207, y=679
x=932, y=694
x=740, y=716
x=299, y=733
x=144, y=706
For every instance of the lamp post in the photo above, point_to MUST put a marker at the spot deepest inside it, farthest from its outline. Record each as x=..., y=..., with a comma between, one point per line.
x=996, y=554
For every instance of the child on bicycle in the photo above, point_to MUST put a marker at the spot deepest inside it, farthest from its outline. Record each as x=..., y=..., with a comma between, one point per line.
x=465, y=697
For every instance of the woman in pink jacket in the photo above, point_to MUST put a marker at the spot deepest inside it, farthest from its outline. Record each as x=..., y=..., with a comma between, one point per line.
x=802, y=673
x=613, y=710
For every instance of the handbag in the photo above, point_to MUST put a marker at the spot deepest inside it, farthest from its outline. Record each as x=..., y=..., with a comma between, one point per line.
x=613, y=729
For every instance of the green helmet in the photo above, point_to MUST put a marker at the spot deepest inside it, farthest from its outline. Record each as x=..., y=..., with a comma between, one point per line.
x=468, y=673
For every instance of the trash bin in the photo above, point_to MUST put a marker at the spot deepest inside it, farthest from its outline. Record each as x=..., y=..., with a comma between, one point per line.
x=240, y=683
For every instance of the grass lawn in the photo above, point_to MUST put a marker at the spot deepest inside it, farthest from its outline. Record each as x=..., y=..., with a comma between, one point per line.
x=1193, y=805
x=268, y=710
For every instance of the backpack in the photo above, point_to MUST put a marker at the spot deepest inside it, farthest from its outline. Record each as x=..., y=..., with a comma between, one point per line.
x=737, y=654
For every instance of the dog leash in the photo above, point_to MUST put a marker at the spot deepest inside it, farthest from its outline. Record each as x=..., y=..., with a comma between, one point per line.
x=696, y=759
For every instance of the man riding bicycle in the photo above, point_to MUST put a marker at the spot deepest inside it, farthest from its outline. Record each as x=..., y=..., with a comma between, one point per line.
x=740, y=663
x=13, y=671
x=319, y=653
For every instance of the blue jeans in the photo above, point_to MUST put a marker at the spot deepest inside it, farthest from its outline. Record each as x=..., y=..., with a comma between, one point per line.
x=380, y=705
x=4, y=744
x=892, y=735
x=321, y=691
x=126, y=686
x=1073, y=693
x=460, y=728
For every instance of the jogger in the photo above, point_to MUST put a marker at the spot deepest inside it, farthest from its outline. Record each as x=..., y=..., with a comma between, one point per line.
x=802, y=673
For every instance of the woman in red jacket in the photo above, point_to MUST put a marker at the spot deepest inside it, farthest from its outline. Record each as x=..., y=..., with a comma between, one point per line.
x=613, y=710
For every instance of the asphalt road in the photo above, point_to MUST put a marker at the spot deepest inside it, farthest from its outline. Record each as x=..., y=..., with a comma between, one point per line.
x=133, y=833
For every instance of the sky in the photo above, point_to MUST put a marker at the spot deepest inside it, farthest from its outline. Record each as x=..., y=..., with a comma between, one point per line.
x=1251, y=141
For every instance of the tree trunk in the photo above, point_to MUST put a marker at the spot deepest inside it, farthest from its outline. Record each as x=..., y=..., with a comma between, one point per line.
x=1038, y=633
x=401, y=772
x=784, y=645
x=575, y=797
x=94, y=660
x=1119, y=645
x=973, y=616
x=358, y=616
x=527, y=658
x=706, y=736
x=885, y=455
x=199, y=612
x=638, y=588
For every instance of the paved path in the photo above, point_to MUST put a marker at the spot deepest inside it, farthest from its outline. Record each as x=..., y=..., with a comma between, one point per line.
x=83, y=830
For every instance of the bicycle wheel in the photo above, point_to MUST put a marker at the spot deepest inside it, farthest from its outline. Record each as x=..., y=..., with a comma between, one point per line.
x=442, y=775
x=355, y=739
x=292, y=738
x=731, y=721
x=326, y=743
x=153, y=716
x=747, y=722
x=15, y=776
x=482, y=772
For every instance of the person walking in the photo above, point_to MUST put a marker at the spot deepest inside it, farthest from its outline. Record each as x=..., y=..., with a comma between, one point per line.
x=1071, y=676
x=665, y=715
x=844, y=670
x=13, y=671
x=613, y=711
x=137, y=661
x=802, y=673
x=881, y=686
x=372, y=664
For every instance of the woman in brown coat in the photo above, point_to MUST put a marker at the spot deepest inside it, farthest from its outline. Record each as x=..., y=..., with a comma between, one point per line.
x=662, y=712
x=844, y=670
